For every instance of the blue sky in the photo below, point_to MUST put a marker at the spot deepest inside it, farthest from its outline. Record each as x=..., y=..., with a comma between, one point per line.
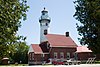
x=62, y=20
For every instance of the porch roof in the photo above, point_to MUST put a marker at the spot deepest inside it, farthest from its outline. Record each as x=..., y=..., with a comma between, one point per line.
x=82, y=49
x=37, y=49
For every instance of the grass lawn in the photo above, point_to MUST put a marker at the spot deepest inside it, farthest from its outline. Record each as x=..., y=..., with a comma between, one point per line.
x=97, y=62
x=15, y=65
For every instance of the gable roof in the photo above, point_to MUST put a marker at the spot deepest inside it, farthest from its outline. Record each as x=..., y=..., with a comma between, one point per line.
x=56, y=40
x=82, y=49
x=36, y=49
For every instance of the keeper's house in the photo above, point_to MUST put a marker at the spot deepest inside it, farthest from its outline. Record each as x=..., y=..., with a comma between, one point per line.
x=57, y=47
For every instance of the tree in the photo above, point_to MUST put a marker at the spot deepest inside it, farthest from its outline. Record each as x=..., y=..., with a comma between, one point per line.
x=18, y=52
x=11, y=13
x=88, y=14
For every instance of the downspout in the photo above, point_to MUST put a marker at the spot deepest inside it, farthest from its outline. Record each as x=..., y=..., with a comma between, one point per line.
x=50, y=50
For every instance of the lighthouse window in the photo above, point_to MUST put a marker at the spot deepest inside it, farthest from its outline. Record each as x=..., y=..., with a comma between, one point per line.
x=46, y=24
x=43, y=14
x=45, y=32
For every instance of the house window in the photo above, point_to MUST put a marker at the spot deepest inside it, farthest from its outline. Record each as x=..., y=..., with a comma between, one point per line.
x=61, y=55
x=42, y=55
x=29, y=56
x=42, y=58
x=32, y=56
x=75, y=56
x=68, y=55
x=55, y=54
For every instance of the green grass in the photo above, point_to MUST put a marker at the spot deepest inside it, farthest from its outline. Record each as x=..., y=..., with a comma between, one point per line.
x=47, y=65
x=97, y=62
x=15, y=65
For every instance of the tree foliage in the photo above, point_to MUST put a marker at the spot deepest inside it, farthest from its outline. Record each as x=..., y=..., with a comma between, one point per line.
x=11, y=14
x=88, y=14
x=18, y=52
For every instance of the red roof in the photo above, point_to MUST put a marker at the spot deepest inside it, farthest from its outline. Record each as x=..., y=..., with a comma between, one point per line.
x=82, y=49
x=37, y=49
x=56, y=40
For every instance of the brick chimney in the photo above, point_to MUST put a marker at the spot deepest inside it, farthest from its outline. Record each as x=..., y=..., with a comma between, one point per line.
x=67, y=34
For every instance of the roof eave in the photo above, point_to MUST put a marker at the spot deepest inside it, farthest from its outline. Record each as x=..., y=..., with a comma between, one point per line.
x=83, y=52
x=65, y=46
x=38, y=53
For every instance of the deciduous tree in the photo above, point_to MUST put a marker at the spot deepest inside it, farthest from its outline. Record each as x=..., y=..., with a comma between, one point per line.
x=11, y=14
x=88, y=15
x=18, y=52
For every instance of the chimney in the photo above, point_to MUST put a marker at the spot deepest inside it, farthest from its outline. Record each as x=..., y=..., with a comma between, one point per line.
x=67, y=34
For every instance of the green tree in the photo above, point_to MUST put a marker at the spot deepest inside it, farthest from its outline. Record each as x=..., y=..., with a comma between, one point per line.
x=11, y=13
x=18, y=52
x=88, y=15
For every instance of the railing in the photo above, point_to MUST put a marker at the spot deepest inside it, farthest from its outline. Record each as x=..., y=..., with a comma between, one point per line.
x=90, y=60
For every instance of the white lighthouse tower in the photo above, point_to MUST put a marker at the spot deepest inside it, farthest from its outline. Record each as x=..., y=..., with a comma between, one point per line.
x=44, y=25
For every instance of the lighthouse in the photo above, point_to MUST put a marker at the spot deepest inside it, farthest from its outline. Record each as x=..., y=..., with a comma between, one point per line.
x=44, y=25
